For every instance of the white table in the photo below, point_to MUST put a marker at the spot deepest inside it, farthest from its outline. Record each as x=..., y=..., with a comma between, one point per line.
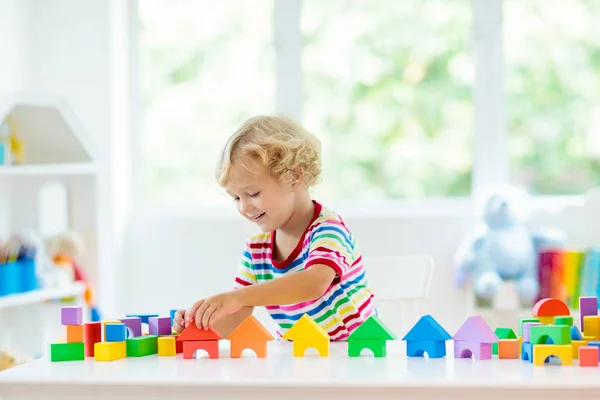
x=282, y=376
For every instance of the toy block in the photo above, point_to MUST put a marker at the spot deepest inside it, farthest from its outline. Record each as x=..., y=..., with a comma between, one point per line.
x=144, y=317
x=159, y=325
x=250, y=334
x=141, y=346
x=542, y=351
x=591, y=326
x=433, y=348
x=594, y=344
x=109, y=322
x=109, y=351
x=133, y=325
x=166, y=346
x=178, y=345
x=509, y=348
x=502, y=333
x=92, y=334
x=563, y=320
x=559, y=334
x=321, y=345
x=588, y=356
x=527, y=352
x=306, y=328
x=193, y=333
x=377, y=347
x=74, y=333
x=372, y=329
x=576, y=344
x=466, y=349
x=71, y=315
x=527, y=330
x=588, y=305
x=67, y=351
x=210, y=346
x=523, y=321
x=575, y=334
x=475, y=329
x=115, y=333
x=550, y=307
x=172, y=315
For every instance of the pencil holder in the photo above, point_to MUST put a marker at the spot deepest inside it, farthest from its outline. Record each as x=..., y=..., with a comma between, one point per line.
x=28, y=274
x=10, y=278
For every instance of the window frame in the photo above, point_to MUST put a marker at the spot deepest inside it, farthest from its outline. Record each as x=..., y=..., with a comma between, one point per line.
x=490, y=135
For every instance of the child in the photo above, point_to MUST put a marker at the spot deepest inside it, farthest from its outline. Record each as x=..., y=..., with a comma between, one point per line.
x=304, y=259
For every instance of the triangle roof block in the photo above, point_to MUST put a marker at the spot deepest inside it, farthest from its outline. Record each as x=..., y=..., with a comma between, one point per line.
x=372, y=329
x=475, y=329
x=306, y=328
x=427, y=329
x=251, y=330
x=505, y=333
x=192, y=332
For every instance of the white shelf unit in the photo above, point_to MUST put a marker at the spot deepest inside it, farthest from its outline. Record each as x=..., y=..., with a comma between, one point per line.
x=56, y=149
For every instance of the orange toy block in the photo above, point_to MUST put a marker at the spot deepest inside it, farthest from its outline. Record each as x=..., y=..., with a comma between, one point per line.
x=588, y=356
x=509, y=348
x=550, y=307
x=190, y=346
x=250, y=334
x=74, y=333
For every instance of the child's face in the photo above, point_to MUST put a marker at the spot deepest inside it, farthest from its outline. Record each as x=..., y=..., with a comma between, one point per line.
x=260, y=197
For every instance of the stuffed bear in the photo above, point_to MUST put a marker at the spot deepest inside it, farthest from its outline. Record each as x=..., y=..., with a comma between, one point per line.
x=503, y=248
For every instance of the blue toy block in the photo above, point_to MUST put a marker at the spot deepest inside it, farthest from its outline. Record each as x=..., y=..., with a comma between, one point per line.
x=427, y=329
x=575, y=334
x=433, y=348
x=527, y=352
x=172, y=315
x=115, y=333
x=144, y=317
x=597, y=344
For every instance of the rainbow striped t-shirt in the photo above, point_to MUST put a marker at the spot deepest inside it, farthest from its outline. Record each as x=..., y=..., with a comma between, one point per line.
x=347, y=302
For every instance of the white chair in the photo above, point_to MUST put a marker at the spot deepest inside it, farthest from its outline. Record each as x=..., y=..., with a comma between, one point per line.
x=399, y=284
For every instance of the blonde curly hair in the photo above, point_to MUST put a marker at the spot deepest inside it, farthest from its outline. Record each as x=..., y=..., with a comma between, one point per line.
x=290, y=152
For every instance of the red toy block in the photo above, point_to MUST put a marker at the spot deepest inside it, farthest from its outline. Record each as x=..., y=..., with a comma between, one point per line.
x=550, y=307
x=190, y=346
x=92, y=334
x=178, y=345
x=588, y=356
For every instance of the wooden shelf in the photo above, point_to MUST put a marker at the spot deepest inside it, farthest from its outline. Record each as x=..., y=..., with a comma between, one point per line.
x=41, y=295
x=49, y=169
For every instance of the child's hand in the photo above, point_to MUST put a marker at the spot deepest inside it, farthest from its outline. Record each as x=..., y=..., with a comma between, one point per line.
x=207, y=311
x=178, y=321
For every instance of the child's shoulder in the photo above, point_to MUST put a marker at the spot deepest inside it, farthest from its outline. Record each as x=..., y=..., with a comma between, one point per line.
x=327, y=218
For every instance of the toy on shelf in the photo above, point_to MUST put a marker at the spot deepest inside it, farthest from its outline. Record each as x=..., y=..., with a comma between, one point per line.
x=11, y=146
x=502, y=249
x=306, y=333
x=426, y=336
x=371, y=334
x=474, y=338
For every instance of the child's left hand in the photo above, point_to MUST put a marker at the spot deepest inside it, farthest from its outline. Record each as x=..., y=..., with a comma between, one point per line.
x=207, y=311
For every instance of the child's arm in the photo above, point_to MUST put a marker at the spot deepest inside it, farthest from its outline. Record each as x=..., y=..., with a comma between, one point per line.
x=297, y=287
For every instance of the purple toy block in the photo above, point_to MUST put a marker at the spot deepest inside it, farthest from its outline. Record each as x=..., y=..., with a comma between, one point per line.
x=133, y=325
x=475, y=329
x=71, y=315
x=466, y=349
x=159, y=325
x=527, y=329
x=588, y=305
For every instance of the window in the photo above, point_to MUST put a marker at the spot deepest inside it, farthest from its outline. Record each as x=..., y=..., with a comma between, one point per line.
x=553, y=94
x=394, y=90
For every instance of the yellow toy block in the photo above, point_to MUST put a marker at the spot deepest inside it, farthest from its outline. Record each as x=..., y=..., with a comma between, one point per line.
x=74, y=333
x=306, y=333
x=546, y=320
x=166, y=346
x=110, y=351
x=588, y=339
x=591, y=326
x=543, y=351
x=576, y=344
x=321, y=345
x=109, y=321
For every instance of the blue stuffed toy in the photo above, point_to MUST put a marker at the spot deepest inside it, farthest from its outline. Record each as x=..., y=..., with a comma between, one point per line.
x=504, y=248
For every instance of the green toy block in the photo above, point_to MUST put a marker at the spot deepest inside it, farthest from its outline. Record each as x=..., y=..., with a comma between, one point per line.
x=502, y=333
x=563, y=320
x=67, y=351
x=523, y=320
x=560, y=334
x=372, y=329
x=377, y=346
x=141, y=346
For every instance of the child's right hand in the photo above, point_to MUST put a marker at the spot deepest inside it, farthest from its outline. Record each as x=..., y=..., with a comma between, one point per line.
x=178, y=321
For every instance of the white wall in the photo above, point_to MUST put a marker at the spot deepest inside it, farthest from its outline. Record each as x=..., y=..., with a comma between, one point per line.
x=14, y=47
